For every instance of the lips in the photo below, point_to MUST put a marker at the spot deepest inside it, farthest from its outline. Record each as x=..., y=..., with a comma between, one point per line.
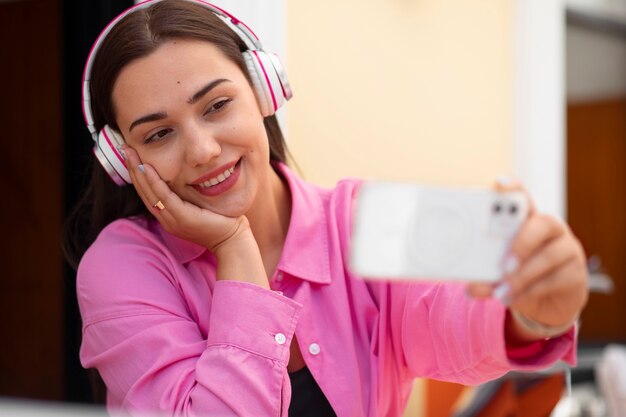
x=219, y=180
x=216, y=180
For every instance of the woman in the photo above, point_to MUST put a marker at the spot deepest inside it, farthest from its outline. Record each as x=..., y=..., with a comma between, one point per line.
x=217, y=284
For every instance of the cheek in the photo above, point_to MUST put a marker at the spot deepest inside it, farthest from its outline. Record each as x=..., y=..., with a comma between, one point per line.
x=257, y=137
x=163, y=163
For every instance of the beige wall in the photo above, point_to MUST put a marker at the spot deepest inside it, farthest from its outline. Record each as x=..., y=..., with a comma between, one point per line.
x=401, y=89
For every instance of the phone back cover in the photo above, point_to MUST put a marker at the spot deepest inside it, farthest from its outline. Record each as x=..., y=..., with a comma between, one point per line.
x=414, y=232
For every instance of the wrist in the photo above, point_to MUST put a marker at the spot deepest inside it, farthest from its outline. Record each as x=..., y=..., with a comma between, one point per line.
x=238, y=239
x=238, y=235
x=523, y=329
x=239, y=259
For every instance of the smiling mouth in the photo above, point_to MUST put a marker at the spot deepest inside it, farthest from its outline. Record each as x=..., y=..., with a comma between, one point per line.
x=219, y=178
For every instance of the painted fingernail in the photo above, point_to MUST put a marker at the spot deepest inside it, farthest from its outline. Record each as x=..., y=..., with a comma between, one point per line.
x=510, y=265
x=503, y=180
x=121, y=152
x=141, y=168
x=501, y=292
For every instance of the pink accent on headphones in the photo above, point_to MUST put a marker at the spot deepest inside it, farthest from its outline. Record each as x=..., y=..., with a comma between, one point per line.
x=267, y=80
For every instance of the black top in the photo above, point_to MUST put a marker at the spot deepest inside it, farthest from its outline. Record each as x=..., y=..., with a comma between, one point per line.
x=307, y=399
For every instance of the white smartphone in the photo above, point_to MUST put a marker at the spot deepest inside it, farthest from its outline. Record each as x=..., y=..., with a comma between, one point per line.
x=407, y=231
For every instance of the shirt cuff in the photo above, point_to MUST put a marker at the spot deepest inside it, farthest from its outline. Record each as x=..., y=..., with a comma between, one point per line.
x=542, y=353
x=252, y=318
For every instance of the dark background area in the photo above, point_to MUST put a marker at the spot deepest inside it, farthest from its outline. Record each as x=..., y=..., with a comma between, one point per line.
x=43, y=48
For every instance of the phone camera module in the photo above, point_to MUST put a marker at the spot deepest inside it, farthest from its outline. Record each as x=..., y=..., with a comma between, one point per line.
x=504, y=216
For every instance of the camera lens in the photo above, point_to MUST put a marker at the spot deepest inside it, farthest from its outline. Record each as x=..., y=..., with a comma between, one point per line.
x=513, y=209
x=497, y=208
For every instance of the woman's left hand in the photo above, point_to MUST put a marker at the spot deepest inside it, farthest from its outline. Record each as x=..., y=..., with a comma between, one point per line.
x=546, y=277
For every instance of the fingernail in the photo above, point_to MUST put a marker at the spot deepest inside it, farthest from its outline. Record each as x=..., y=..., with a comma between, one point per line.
x=141, y=168
x=501, y=292
x=503, y=180
x=510, y=265
x=121, y=151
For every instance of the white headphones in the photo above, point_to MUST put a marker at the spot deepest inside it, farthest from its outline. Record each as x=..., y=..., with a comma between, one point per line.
x=268, y=79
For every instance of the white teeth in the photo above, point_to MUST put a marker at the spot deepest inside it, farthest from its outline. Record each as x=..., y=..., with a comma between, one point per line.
x=221, y=177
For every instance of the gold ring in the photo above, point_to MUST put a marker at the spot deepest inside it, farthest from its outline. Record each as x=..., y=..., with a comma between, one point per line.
x=159, y=205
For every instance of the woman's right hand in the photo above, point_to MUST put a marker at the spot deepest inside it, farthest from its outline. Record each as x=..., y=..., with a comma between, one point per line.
x=230, y=239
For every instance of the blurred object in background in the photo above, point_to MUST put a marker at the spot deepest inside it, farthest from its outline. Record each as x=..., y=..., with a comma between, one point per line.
x=599, y=282
x=516, y=394
x=611, y=378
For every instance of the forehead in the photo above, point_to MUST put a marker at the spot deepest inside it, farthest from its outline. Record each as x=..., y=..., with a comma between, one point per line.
x=173, y=72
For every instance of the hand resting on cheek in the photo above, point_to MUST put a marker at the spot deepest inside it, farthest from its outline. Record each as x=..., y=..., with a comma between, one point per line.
x=226, y=237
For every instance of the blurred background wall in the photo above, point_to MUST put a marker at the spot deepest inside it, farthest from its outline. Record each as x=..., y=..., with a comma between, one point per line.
x=400, y=89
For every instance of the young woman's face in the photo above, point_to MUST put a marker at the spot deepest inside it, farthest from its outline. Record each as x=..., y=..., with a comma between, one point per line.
x=191, y=114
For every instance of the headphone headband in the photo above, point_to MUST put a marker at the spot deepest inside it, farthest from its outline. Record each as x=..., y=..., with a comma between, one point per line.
x=242, y=30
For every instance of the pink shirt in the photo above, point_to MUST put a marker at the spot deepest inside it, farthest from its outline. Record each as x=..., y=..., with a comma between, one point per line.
x=165, y=336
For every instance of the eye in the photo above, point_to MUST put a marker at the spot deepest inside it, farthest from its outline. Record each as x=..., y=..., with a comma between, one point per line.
x=218, y=106
x=157, y=136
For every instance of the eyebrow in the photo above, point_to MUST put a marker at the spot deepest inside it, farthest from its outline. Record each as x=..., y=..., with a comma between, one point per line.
x=192, y=100
x=148, y=118
x=204, y=90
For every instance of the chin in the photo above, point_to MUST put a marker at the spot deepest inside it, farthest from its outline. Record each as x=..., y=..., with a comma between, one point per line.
x=229, y=206
x=235, y=202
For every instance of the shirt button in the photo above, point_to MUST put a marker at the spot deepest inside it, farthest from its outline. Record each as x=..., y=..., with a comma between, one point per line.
x=314, y=348
x=279, y=276
x=280, y=339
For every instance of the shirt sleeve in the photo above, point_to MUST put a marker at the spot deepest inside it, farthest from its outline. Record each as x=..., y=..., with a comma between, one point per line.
x=434, y=330
x=140, y=334
x=439, y=332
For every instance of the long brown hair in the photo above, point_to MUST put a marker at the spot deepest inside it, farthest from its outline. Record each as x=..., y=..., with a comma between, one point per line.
x=135, y=36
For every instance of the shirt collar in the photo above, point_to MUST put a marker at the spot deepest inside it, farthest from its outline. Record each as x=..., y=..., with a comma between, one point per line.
x=305, y=254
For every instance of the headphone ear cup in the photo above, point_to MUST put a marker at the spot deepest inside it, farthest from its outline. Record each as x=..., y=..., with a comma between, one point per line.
x=109, y=157
x=267, y=84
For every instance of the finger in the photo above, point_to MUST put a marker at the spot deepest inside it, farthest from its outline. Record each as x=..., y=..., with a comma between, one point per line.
x=507, y=184
x=536, y=232
x=479, y=289
x=568, y=285
x=132, y=159
x=144, y=183
x=177, y=216
x=133, y=163
x=539, y=266
x=159, y=191
x=152, y=190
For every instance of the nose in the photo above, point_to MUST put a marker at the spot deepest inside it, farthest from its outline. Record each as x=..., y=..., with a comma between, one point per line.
x=201, y=146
